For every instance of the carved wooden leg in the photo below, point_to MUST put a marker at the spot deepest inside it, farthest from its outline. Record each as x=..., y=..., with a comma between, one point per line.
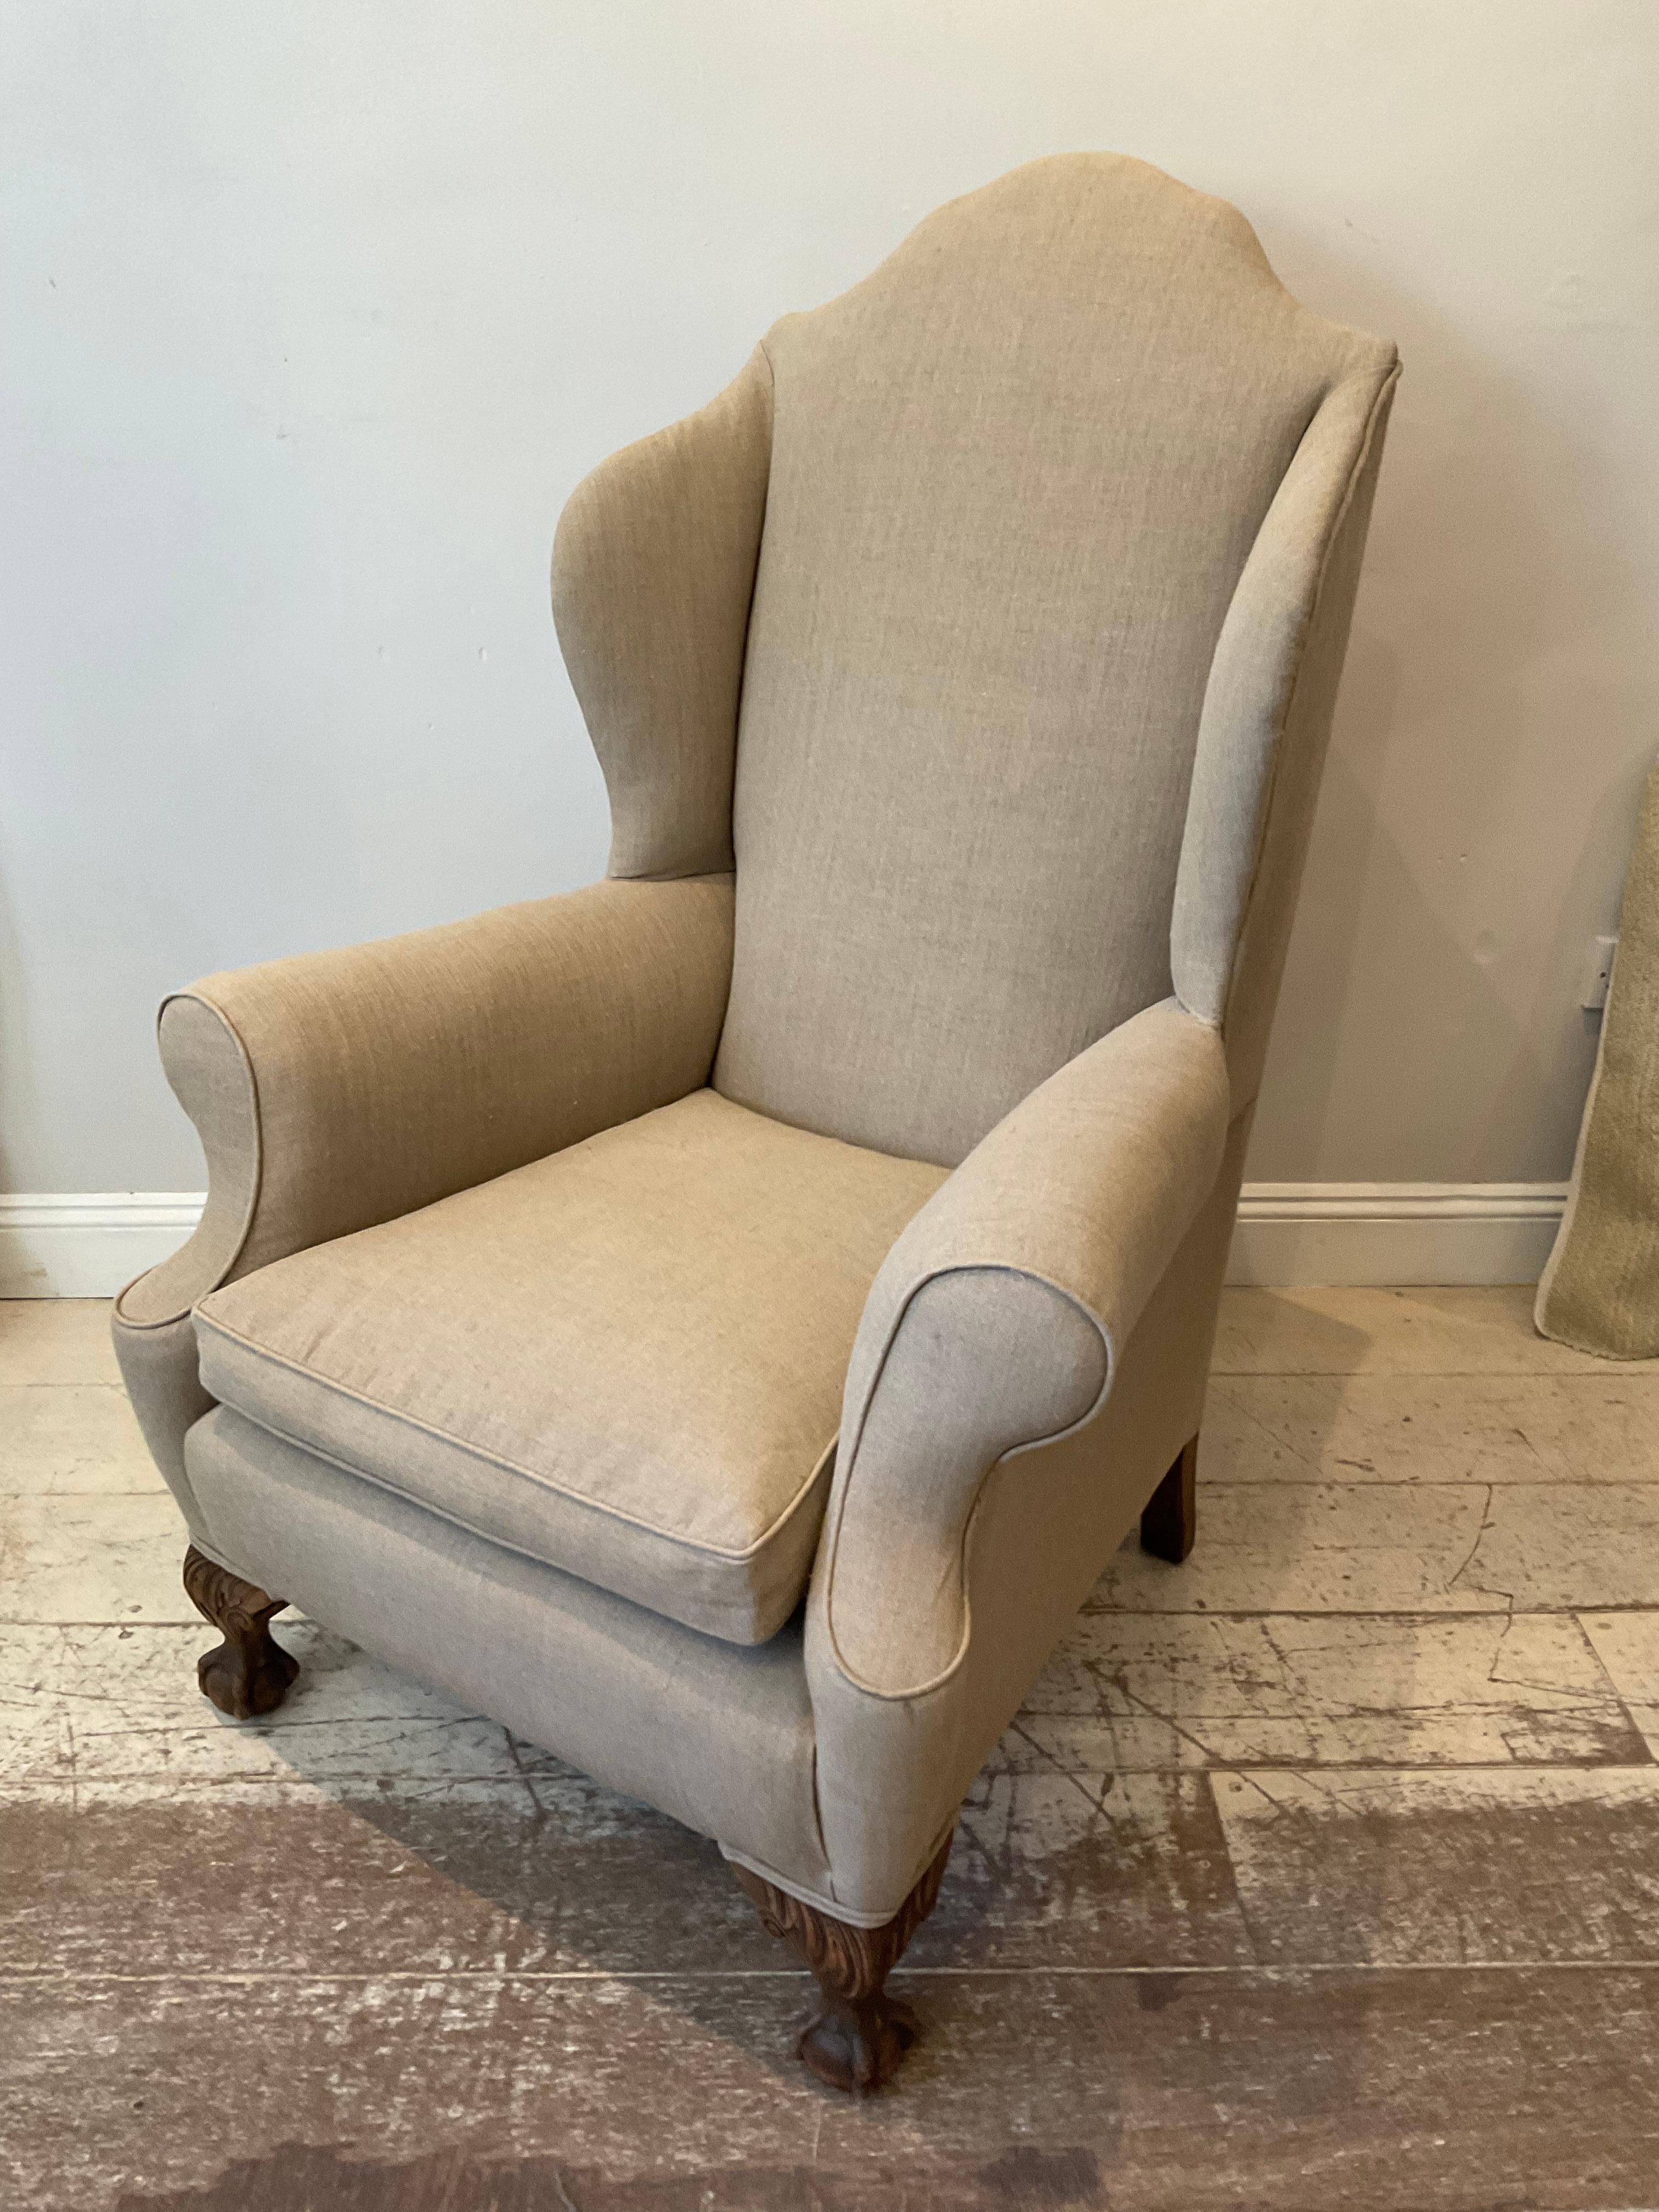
x=249, y=1673
x=1169, y=1522
x=857, y=2040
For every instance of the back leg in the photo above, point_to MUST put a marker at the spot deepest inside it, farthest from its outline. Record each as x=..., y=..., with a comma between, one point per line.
x=1169, y=1521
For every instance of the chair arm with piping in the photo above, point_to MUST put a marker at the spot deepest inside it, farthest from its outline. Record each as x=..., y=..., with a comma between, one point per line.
x=995, y=1324
x=341, y=1088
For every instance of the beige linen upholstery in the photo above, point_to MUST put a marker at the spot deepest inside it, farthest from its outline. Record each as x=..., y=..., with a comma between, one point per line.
x=997, y=1320
x=719, y=1735
x=1016, y=474
x=1267, y=717
x=344, y=1088
x=893, y=1767
x=625, y=1360
x=988, y=1365
x=340, y=1089
x=653, y=569
x=988, y=626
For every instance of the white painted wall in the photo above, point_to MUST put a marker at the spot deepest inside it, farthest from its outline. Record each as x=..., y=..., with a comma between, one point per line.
x=314, y=311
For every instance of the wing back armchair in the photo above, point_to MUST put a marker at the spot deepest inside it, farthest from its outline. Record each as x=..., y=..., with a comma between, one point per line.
x=721, y=1322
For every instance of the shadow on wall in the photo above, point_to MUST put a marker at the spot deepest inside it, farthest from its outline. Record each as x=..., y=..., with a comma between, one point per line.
x=1428, y=1028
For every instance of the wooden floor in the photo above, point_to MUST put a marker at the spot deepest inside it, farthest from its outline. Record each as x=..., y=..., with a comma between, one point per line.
x=1323, y=1872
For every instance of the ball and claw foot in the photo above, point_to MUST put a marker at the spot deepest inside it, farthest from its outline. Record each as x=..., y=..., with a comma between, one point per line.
x=858, y=2047
x=858, y=2039
x=249, y=1673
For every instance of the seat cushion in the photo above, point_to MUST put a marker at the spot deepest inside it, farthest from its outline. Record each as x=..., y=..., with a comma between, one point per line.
x=625, y=1360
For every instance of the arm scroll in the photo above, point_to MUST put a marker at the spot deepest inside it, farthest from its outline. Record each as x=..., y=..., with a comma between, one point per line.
x=341, y=1088
x=986, y=1471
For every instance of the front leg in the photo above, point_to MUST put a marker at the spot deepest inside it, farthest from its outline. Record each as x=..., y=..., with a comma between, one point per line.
x=855, y=2042
x=249, y=1673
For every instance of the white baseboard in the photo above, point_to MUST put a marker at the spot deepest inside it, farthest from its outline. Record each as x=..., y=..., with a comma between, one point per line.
x=1298, y=1234
x=85, y=1244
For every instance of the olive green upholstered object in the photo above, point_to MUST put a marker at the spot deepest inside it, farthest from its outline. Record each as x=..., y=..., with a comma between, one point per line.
x=721, y=1322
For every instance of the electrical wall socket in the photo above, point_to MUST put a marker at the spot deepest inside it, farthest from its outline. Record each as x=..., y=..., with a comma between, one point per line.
x=1598, y=973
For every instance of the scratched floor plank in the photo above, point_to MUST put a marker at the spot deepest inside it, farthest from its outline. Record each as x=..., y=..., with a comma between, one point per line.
x=1443, y=1547
x=1308, y=2093
x=1586, y=1544
x=93, y=1557
x=111, y=1708
x=62, y=1438
x=1417, y=1428
x=1627, y=1644
x=48, y=1340
x=1461, y=1331
x=1516, y=1864
x=1127, y=1690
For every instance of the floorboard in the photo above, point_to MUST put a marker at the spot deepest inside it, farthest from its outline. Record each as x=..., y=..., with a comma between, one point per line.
x=1391, y=2091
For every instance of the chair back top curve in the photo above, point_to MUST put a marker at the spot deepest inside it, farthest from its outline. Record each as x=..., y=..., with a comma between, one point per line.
x=1015, y=476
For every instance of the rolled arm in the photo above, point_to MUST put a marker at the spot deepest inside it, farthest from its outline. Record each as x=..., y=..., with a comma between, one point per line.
x=988, y=1449
x=341, y=1088
x=995, y=1324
